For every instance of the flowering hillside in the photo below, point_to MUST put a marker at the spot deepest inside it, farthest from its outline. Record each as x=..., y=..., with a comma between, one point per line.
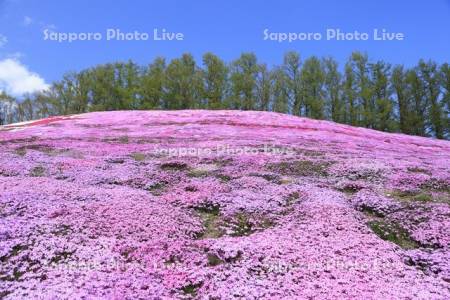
x=220, y=205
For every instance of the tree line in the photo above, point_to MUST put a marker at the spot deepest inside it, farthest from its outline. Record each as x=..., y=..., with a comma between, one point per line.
x=372, y=94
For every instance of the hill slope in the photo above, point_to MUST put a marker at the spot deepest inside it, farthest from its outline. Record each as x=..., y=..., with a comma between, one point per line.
x=221, y=204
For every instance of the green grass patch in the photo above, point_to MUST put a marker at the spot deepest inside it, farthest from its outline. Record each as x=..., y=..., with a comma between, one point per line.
x=275, y=178
x=14, y=251
x=157, y=189
x=214, y=260
x=37, y=171
x=393, y=233
x=174, y=166
x=418, y=170
x=292, y=198
x=419, y=196
x=212, y=223
x=197, y=173
x=216, y=225
x=22, y=151
x=123, y=139
x=242, y=226
x=191, y=289
x=311, y=153
x=423, y=197
x=371, y=212
x=61, y=256
x=138, y=156
x=62, y=230
x=223, y=177
x=301, y=168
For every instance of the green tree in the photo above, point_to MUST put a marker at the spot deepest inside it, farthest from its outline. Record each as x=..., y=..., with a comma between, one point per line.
x=43, y=106
x=264, y=88
x=381, y=92
x=215, y=77
x=349, y=96
x=332, y=85
x=7, y=106
x=417, y=104
x=104, y=91
x=280, y=91
x=70, y=95
x=183, y=83
x=364, y=101
x=429, y=73
x=26, y=109
x=445, y=77
x=400, y=87
x=129, y=77
x=244, y=73
x=312, y=79
x=291, y=67
x=372, y=94
x=152, y=85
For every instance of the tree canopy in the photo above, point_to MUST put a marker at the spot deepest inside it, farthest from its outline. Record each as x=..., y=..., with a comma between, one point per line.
x=363, y=93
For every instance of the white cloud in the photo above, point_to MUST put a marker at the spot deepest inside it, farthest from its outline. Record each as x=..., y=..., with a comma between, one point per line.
x=3, y=40
x=27, y=21
x=14, y=55
x=16, y=79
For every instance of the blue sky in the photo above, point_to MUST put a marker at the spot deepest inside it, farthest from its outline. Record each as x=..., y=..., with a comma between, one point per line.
x=226, y=28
